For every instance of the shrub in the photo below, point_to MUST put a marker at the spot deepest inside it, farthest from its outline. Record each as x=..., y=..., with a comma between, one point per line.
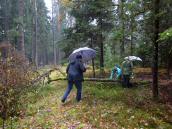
x=15, y=77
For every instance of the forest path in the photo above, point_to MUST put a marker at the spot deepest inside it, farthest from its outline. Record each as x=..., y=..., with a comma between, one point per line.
x=46, y=110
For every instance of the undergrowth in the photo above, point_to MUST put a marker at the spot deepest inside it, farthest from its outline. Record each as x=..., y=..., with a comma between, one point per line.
x=104, y=105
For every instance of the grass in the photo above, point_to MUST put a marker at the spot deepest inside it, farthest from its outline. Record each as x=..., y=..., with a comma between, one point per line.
x=104, y=106
x=133, y=107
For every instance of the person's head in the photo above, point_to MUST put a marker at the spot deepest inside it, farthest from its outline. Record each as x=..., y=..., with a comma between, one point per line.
x=79, y=57
x=117, y=66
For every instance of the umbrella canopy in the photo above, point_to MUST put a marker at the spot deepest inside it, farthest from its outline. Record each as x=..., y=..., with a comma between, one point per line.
x=133, y=58
x=86, y=53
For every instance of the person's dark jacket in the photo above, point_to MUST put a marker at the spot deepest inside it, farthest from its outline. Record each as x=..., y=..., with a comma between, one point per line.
x=75, y=70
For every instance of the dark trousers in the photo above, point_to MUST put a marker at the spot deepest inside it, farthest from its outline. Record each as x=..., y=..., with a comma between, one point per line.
x=78, y=85
x=126, y=81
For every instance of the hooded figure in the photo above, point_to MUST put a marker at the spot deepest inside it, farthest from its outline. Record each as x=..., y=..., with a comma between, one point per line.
x=74, y=72
x=126, y=72
x=75, y=69
x=116, y=72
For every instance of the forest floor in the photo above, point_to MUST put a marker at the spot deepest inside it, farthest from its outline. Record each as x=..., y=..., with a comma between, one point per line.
x=165, y=82
x=104, y=106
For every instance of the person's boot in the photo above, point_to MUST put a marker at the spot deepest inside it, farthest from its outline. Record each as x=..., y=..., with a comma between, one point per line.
x=78, y=100
x=63, y=100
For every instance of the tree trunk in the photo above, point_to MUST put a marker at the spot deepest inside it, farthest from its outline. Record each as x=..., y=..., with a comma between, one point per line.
x=168, y=61
x=58, y=55
x=3, y=124
x=33, y=41
x=34, y=36
x=123, y=29
x=54, y=46
x=155, y=54
x=168, y=66
x=101, y=55
x=11, y=123
x=46, y=56
x=93, y=64
x=94, y=74
x=21, y=27
x=131, y=42
x=101, y=50
x=36, y=41
x=6, y=24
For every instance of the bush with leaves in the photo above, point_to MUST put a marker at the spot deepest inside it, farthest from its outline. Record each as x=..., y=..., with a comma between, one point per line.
x=15, y=77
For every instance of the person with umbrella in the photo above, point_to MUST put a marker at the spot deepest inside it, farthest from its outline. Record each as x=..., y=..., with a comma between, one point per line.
x=74, y=72
x=127, y=67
